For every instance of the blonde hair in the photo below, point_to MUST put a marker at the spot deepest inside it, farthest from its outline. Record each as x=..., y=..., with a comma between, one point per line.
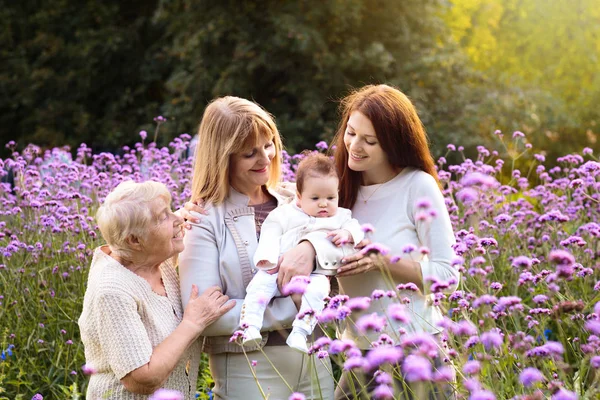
x=126, y=213
x=230, y=125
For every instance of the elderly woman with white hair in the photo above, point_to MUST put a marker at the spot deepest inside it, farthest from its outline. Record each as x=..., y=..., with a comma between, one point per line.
x=136, y=334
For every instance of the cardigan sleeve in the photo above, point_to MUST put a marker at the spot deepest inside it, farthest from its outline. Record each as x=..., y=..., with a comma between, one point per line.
x=121, y=332
x=434, y=233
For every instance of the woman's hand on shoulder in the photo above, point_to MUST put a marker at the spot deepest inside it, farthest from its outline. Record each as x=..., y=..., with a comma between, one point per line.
x=202, y=310
x=185, y=212
x=297, y=261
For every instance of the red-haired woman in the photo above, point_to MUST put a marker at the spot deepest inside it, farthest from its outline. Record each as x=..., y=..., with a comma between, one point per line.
x=388, y=179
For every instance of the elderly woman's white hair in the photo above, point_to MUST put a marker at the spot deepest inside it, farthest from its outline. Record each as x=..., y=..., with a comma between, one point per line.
x=126, y=213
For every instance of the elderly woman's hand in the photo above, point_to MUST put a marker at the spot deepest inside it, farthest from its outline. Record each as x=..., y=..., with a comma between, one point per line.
x=205, y=309
x=297, y=261
x=185, y=212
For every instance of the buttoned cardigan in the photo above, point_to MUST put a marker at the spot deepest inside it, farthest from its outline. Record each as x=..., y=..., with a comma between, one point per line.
x=218, y=252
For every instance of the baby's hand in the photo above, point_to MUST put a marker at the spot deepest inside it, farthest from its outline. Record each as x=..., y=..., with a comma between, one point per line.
x=340, y=237
x=263, y=264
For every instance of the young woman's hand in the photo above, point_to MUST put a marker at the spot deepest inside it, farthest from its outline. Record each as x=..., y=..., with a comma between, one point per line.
x=357, y=263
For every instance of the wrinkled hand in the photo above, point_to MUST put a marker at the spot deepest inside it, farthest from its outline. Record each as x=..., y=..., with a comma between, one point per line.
x=185, y=212
x=205, y=309
x=357, y=263
x=340, y=237
x=296, y=261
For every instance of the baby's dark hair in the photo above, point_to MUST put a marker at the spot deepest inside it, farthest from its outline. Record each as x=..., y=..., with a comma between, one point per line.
x=314, y=165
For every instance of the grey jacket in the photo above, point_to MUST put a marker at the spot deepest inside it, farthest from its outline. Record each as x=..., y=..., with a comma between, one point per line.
x=218, y=252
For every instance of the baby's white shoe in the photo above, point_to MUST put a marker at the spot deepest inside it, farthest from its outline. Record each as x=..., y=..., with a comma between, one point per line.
x=251, y=335
x=297, y=341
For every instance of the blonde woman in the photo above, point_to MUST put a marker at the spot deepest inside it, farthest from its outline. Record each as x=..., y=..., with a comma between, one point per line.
x=237, y=173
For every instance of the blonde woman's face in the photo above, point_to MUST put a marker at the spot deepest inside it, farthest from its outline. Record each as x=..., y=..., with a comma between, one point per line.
x=250, y=169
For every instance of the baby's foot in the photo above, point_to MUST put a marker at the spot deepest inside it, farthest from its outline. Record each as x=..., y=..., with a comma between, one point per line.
x=297, y=341
x=251, y=335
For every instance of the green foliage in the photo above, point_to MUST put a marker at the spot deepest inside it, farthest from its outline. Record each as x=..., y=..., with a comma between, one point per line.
x=77, y=71
x=542, y=60
x=294, y=58
x=98, y=72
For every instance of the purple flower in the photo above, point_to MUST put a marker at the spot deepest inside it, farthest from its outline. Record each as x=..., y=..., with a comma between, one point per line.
x=88, y=369
x=296, y=395
x=561, y=257
x=322, y=145
x=564, y=394
x=297, y=285
x=37, y=396
x=383, y=355
x=593, y=326
x=444, y=374
x=492, y=339
x=482, y=395
x=467, y=195
x=479, y=179
x=416, y=368
x=167, y=394
x=383, y=378
x=358, y=303
x=367, y=228
x=521, y=262
x=530, y=376
x=382, y=392
x=397, y=312
x=143, y=135
x=370, y=322
x=424, y=203
x=355, y=363
x=550, y=349
x=472, y=367
x=595, y=362
x=518, y=134
x=375, y=247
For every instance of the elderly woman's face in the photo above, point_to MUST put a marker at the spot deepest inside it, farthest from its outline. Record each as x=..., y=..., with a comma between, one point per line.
x=250, y=169
x=165, y=235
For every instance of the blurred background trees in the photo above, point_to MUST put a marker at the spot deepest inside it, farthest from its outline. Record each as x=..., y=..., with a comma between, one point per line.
x=98, y=72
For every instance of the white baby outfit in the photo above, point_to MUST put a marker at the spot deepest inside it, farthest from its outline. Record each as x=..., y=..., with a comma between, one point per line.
x=283, y=229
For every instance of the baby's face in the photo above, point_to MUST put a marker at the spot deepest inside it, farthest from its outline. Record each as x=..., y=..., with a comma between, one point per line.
x=319, y=197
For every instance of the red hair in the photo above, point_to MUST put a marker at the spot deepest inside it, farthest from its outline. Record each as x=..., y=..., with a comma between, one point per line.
x=399, y=130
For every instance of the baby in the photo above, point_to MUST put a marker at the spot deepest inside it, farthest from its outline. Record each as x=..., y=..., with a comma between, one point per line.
x=314, y=216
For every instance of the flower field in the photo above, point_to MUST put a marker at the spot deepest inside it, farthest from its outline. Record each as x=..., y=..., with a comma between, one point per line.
x=524, y=322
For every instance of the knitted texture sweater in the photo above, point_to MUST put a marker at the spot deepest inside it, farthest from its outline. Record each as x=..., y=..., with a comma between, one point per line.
x=392, y=209
x=123, y=320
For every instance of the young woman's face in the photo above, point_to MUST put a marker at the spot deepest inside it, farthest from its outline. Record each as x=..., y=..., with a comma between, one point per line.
x=364, y=151
x=250, y=169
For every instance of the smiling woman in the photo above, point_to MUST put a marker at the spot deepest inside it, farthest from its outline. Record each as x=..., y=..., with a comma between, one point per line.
x=136, y=334
x=237, y=170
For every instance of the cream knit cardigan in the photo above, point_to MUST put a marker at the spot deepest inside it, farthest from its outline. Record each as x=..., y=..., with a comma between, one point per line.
x=121, y=323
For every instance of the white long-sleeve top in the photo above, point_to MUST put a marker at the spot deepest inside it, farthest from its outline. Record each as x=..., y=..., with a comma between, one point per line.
x=391, y=209
x=285, y=226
